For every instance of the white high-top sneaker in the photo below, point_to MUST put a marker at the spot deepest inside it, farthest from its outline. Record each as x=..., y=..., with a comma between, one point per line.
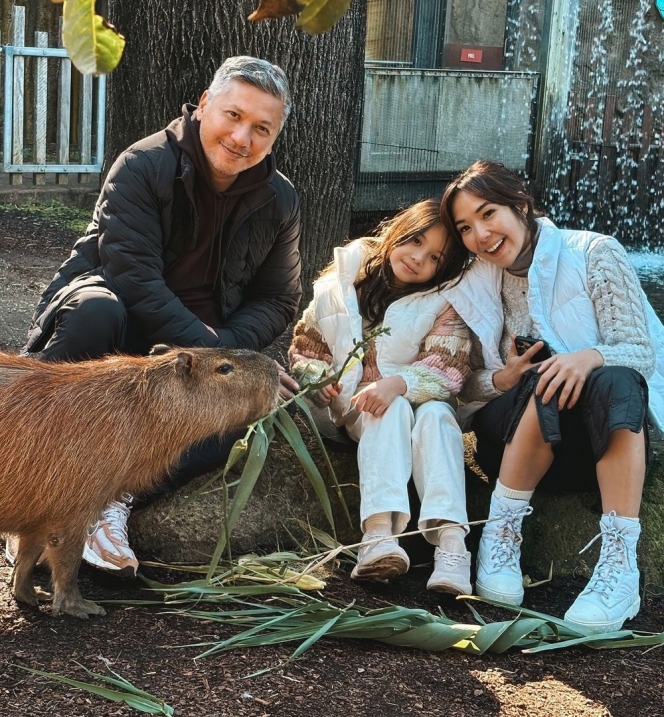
x=498, y=570
x=612, y=595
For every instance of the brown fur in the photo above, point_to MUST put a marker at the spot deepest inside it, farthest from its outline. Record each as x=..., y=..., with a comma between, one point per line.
x=74, y=436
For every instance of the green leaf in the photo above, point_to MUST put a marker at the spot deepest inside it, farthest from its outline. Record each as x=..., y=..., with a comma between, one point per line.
x=323, y=630
x=94, y=46
x=252, y=469
x=321, y=15
x=138, y=699
x=516, y=631
x=237, y=451
x=302, y=404
x=290, y=431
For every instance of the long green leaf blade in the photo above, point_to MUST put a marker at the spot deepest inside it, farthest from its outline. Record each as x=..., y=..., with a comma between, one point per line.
x=150, y=705
x=290, y=432
x=237, y=451
x=252, y=469
x=323, y=630
x=302, y=404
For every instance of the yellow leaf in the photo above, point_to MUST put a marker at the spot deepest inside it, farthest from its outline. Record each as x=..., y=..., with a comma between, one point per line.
x=320, y=15
x=94, y=45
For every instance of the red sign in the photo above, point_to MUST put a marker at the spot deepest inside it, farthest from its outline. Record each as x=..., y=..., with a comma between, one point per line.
x=468, y=55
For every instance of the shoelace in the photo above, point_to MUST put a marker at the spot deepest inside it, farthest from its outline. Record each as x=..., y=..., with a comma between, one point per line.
x=116, y=516
x=611, y=558
x=362, y=550
x=449, y=560
x=503, y=551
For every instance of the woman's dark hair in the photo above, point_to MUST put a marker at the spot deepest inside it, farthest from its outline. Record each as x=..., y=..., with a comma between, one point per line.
x=375, y=286
x=495, y=183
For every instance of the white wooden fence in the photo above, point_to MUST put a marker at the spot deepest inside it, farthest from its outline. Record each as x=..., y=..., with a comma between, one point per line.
x=27, y=134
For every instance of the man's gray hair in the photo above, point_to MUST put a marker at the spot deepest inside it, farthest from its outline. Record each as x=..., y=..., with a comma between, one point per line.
x=259, y=73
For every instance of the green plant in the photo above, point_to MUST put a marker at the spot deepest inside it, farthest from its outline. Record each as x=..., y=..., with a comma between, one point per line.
x=129, y=694
x=255, y=445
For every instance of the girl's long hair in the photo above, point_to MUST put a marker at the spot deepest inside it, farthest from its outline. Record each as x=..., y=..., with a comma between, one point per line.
x=494, y=183
x=375, y=285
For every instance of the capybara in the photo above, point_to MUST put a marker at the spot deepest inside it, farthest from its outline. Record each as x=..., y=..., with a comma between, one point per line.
x=74, y=436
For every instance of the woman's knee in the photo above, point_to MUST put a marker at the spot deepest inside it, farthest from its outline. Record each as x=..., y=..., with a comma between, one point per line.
x=611, y=385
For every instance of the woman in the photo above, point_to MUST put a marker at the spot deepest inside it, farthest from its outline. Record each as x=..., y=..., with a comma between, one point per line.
x=395, y=403
x=575, y=419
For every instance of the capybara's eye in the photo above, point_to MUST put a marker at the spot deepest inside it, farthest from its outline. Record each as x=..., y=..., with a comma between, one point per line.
x=225, y=368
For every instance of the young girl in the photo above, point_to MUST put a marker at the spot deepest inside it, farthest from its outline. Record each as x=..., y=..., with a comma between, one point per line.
x=395, y=403
x=575, y=419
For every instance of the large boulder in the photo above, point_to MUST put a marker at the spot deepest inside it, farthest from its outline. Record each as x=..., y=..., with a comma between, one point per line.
x=559, y=527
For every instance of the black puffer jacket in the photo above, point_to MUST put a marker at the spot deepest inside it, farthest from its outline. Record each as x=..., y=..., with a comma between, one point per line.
x=145, y=219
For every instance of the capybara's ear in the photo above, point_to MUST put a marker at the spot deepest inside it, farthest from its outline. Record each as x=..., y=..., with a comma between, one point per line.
x=184, y=364
x=159, y=350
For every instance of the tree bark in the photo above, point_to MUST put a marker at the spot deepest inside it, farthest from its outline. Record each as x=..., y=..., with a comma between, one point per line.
x=173, y=49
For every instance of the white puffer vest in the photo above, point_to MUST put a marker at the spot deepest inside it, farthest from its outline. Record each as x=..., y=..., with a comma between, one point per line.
x=336, y=307
x=559, y=302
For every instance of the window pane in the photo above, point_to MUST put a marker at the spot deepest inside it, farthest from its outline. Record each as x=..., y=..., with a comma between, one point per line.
x=389, y=30
x=475, y=34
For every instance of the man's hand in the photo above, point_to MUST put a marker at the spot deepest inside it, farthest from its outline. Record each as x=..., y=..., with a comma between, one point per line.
x=515, y=366
x=376, y=397
x=289, y=386
x=568, y=371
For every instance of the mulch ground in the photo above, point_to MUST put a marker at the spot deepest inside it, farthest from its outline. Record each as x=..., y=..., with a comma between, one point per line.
x=335, y=678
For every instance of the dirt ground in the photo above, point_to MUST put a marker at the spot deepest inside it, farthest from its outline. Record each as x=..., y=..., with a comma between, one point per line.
x=335, y=678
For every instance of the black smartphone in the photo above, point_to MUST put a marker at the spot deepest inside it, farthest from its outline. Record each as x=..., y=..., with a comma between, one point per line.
x=523, y=343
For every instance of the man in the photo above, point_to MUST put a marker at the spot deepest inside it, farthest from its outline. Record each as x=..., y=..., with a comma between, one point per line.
x=193, y=242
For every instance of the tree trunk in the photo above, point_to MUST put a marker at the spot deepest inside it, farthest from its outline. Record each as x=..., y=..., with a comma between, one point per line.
x=173, y=49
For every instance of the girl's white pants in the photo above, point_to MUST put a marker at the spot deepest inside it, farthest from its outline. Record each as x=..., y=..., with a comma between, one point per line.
x=425, y=443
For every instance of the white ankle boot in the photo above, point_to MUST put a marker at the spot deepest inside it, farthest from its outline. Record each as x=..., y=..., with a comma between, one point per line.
x=612, y=595
x=498, y=571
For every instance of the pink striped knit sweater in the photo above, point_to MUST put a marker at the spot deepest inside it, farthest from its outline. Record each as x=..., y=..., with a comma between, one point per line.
x=438, y=373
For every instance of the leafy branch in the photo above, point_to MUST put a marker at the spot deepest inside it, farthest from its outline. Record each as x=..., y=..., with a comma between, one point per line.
x=255, y=445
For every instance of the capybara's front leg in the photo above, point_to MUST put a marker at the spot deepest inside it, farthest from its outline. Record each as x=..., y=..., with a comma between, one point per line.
x=65, y=561
x=29, y=551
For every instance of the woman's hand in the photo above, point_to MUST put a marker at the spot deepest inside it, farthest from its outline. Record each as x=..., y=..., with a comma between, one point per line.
x=515, y=366
x=568, y=371
x=376, y=397
x=328, y=393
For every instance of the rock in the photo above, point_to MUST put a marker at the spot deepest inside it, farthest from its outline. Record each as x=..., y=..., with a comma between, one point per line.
x=560, y=526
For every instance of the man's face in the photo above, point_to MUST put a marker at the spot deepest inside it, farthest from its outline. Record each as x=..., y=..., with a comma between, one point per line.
x=238, y=128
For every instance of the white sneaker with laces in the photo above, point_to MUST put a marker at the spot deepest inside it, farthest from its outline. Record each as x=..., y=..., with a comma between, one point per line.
x=451, y=573
x=380, y=561
x=499, y=574
x=107, y=545
x=612, y=595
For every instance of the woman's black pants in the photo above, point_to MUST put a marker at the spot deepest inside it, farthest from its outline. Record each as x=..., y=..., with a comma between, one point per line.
x=612, y=398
